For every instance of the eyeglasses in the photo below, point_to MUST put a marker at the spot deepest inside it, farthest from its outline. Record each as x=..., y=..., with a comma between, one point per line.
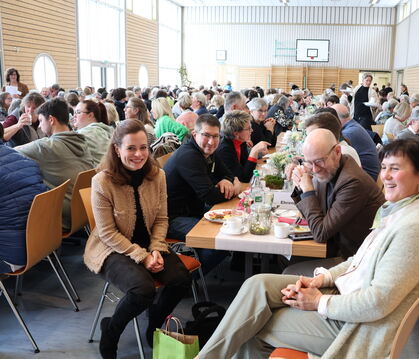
x=320, y=162
x=78, y=112
x=208, y=136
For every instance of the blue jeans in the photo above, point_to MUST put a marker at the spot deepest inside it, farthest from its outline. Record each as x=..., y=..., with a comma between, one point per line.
x=179, y=228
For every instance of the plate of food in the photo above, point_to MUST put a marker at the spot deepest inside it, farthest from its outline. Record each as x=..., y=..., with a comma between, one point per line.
x=300, y=229
x=220, y=215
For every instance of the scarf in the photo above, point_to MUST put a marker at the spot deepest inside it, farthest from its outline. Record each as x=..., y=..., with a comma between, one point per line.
x=389, y=208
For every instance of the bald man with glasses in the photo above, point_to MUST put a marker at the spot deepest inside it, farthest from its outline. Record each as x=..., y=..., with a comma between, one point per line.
x=337, y=198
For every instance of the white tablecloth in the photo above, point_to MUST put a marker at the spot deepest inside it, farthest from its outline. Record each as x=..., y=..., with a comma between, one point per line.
x=248, y=242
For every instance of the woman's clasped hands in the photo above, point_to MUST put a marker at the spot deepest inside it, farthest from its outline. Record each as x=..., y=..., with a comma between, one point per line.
x=304, y=294
x=154, y=262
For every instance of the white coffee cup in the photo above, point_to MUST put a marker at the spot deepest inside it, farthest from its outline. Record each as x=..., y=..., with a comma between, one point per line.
x=233, y=225
x=281, y=230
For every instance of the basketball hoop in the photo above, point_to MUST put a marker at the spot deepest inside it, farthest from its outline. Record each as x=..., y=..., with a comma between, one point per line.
x=312, y=57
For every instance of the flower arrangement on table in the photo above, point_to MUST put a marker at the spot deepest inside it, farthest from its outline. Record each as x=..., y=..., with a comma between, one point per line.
x=245, y=201
x=278, y=161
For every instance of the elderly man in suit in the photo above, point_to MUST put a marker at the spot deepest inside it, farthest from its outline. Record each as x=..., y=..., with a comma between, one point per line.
x=336, y=197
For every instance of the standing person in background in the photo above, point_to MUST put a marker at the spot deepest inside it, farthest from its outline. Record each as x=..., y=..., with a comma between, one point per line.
x=22, y=125
x=403, y=90
x=128, y=247
x=5, y=102
x=13, y=85
x=364, y=93
x=120, y=99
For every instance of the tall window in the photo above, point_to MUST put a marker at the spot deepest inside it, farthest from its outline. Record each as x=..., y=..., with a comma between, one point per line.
x=101, y=27
x=143, y=76
x=44, y=71
x=144, y=8
x=170, y=27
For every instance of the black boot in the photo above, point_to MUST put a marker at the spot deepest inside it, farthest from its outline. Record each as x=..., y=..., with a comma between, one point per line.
x=108, y=345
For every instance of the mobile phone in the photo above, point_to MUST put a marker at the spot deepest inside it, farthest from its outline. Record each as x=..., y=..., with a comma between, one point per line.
x=300, y=236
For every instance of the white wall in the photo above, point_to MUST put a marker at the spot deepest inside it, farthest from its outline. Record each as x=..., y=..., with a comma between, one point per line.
x=359, y=37
x=407, y=45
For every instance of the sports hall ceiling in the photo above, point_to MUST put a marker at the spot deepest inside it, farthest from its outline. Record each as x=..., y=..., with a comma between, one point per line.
x=350, y=3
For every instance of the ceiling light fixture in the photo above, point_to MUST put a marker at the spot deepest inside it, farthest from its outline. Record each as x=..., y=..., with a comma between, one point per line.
x=374, y=2
x=285, y=2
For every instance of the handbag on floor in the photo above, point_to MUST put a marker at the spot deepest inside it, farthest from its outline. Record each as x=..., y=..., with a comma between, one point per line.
x=207, y=316
x=174, y=345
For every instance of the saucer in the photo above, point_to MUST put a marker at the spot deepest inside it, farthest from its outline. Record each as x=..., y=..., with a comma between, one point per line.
x=224, y=231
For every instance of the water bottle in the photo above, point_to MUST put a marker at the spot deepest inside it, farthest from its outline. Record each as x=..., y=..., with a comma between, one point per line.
x=256, y=190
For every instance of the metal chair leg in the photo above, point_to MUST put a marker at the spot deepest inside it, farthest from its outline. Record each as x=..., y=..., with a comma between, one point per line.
x=18, y=317
x=76, y=308
x=18, y=288
x=98, y=310
x=194, y=292
x=76, y=296
x=138, y=336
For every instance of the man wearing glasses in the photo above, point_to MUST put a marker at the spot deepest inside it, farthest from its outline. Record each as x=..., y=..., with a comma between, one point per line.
x=337, y=198
x=196, y=180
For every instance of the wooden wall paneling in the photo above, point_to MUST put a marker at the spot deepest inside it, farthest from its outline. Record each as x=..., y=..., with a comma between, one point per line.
x=411, y=80
x=279, y=77
x=43, y=26
x=142, y=48
x=254, y=76
x=348, y=74
x=315, y=80
x=295, y=75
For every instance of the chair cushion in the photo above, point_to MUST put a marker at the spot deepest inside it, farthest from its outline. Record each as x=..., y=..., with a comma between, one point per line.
x=284, y=353
x=190, y=263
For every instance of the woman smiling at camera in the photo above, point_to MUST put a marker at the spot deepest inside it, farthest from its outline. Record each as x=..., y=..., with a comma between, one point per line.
x=128, y=247
x=352, y=310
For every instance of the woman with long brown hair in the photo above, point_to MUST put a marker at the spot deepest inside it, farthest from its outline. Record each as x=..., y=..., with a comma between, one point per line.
x=137, y=110
x=128, y=247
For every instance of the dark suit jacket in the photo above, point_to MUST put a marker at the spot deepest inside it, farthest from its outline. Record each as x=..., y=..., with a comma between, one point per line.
x=242, y=169
x=344, y=226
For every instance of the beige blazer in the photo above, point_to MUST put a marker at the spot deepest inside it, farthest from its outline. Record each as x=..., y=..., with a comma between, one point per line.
x=115, y=216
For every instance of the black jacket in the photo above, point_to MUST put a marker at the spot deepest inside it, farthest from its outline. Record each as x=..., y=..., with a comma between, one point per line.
x=191, y=180
x=243, y=169
x=261, y=133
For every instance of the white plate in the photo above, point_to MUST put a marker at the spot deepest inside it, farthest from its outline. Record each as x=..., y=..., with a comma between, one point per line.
x=224, y=231
x=208, y=216
x=286, y=213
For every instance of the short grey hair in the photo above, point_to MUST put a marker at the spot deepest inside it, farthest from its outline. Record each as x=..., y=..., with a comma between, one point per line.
x=392, y=103
x=233, y=98
x=234, y=121
x=415, y=114
x=414, y=98
x=199, y=96
x=404, y=98
x=257, y=104
x=283, y=102
x=366, y=75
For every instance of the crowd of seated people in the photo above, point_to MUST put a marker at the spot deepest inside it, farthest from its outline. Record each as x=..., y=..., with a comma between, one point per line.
x=56, y=134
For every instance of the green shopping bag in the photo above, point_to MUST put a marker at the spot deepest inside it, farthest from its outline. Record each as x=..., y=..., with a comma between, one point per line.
x=174, y=345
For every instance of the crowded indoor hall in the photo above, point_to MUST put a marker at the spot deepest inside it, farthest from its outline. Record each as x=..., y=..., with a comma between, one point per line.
x=207, y=179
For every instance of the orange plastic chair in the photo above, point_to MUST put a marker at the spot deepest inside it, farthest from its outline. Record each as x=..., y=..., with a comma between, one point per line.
x=284, y=353
x=43, y=235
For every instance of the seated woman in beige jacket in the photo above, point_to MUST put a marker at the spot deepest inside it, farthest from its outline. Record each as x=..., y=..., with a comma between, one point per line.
x=350, y=311
x=128, y=247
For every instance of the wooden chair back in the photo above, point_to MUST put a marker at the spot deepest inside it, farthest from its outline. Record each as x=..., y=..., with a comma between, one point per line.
x=78, y=214
x=163, y=159
x=378, y=129
x=43, y=227
x=86, y=197
x=390, y=136
x=405, y=328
